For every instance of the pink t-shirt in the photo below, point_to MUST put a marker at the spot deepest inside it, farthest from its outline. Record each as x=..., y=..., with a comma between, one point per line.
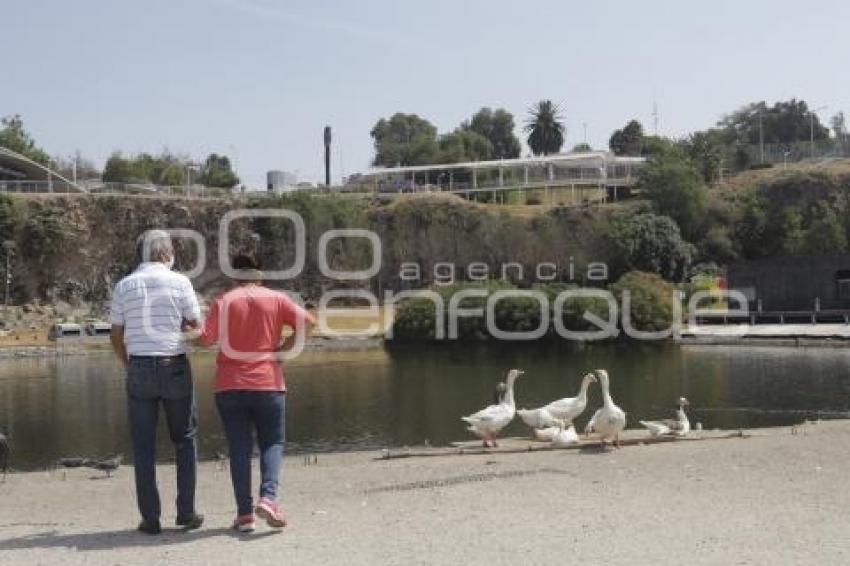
x=247, y=322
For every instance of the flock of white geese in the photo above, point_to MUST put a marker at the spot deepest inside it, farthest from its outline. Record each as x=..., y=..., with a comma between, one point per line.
x=553, y=423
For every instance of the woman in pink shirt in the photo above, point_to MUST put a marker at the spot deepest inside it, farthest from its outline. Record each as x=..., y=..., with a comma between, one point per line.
x=250, y=391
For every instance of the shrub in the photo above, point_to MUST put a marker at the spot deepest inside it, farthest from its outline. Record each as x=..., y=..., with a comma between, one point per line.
x=651, y=299
x=648, y=242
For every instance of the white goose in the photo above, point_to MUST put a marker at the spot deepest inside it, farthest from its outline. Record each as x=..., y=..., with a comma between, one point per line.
x=680, y=426
x=487, y=423
x=609, y=420
x=565, y=435
x=566, y=409
x=544, y=434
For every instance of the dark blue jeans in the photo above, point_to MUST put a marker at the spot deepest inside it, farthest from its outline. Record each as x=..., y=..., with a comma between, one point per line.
x=241, y=413
x=151, y=382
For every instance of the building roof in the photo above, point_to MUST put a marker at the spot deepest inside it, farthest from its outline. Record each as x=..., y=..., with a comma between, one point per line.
x=577, y=158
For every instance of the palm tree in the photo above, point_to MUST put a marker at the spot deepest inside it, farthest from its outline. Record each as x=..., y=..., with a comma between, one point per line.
x=545, y=128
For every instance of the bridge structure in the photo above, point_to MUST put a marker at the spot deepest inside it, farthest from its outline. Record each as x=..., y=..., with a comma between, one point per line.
x=19, y=173
x=564, y=178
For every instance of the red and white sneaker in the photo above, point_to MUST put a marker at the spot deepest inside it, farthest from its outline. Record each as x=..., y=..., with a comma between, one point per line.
x=268, y=510
x=245, y=523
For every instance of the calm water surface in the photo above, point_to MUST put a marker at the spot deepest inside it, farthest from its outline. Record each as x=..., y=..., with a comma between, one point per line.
x=373, y=399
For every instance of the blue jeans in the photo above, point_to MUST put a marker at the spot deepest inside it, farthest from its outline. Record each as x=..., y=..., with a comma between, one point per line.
x=241, y=412
x=151, y=382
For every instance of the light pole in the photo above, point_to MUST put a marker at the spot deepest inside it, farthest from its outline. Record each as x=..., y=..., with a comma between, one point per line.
x=761, y=132
x=9, y=248
x=812, y=128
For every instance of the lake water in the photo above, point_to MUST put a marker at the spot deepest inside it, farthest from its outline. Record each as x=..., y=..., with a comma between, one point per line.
x=373, y=399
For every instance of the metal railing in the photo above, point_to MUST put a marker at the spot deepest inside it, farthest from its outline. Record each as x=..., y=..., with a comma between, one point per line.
x=778, y=153
x=114, y=189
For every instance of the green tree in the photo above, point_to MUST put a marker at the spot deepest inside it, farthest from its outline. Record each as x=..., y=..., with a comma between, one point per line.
x=464, y=145
x=627, y=141
x=652, y=243
x=656, y=146
x=545, y=128
x=498, y=127
x=404, y=139
x=706, y=151
x=784, y=122
x=675, y=188
x=163, y=169
x=216, y=172
x=14, y=136
x=826, y=234
x=117, y=169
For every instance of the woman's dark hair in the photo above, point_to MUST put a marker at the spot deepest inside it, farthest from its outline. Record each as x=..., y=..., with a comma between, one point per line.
x=245, y=261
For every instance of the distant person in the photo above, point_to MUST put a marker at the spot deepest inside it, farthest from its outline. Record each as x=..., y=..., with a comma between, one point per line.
x=250, y=391
x=149, y=307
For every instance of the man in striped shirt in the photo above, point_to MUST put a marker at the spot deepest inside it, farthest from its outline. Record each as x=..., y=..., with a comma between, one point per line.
x=149, y=308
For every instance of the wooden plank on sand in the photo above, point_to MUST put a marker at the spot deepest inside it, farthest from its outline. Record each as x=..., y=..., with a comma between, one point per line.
x=516, y=445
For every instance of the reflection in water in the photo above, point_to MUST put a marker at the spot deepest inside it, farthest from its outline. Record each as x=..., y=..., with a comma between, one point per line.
x=349, y=400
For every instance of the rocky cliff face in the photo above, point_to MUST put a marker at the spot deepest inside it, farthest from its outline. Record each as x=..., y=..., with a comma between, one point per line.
x=73, y=249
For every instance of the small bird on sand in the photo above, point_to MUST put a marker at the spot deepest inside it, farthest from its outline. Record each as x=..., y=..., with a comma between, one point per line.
x=108, y=465
x=680, y=426
x=73, y=462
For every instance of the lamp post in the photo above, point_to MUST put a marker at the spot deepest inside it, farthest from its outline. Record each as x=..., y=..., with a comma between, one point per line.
x=812, y=128
x=9, y=248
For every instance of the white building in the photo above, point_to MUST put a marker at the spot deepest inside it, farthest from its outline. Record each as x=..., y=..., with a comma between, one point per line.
x=281, y=181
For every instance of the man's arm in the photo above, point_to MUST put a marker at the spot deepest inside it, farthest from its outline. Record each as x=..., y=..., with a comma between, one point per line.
x=116, y=336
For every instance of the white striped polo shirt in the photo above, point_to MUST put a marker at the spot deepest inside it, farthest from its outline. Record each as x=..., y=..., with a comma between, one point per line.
x=151, y=304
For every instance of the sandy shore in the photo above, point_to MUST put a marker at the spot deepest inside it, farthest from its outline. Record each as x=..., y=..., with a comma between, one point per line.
x=773, y=498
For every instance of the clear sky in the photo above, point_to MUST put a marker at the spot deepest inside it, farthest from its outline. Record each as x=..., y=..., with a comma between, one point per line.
x=259, y=79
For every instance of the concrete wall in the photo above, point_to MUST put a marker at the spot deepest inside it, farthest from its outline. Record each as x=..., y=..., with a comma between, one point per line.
x=792, y=283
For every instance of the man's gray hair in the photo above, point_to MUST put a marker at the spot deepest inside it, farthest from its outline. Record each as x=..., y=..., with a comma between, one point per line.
x=154, y=245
